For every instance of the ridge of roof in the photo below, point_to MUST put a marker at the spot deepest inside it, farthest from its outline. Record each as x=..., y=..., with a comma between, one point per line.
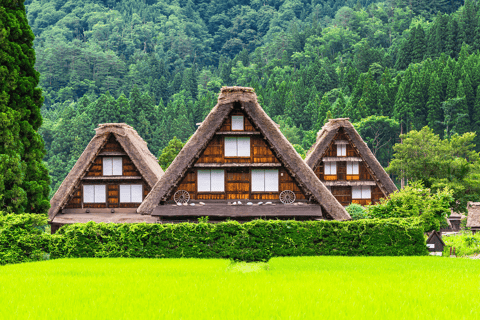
x=304, y=175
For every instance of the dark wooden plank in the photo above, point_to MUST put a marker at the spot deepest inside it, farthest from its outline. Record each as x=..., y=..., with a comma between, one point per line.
x=236, y=165
x=237, y=133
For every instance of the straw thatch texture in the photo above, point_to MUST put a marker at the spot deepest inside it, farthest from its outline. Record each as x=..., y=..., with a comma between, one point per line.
x=473, y=218
x=135, y=147
x=325, y=137
x=304, y=176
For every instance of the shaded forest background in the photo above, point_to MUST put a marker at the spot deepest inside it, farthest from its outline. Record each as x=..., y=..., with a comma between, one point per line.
x=389, y=66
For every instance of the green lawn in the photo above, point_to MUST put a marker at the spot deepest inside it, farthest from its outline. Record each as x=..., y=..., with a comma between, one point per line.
x=285, y=288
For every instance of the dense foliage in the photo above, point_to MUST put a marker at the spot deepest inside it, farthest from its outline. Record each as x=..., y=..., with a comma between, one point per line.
x=416, y=201
x=258, y=240
x=451, y=162
x=465, y=244
x=159, y=65
x=22, y=238
x=24, y=180
x=356, y=211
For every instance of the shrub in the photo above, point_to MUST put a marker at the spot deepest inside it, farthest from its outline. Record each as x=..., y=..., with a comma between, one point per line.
x=22, y=238
x=465, y=243
x=416, y=201
x=356, y=211
x=257, y=240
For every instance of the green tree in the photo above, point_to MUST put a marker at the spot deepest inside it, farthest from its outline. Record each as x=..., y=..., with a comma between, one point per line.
x=24, y=182
x=168, y=154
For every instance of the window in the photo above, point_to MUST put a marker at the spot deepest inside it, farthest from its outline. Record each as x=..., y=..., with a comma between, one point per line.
x=330, y=168
x=94, y=194
x=211, y=180
x=237, y=146
x=265, y=180
x=237, y=123
x=131, y=193
x=341, y=150
x=112, y=166
x=352, y=167
x=362, y=192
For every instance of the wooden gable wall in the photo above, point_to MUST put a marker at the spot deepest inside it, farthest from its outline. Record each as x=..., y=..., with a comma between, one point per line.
x=237, y=180
x=112, y=148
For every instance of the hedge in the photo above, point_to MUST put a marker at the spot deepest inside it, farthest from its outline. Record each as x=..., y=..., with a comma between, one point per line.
x=22, y=239
x=258, y=240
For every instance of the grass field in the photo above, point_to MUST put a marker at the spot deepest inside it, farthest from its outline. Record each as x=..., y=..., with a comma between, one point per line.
x=285, y=288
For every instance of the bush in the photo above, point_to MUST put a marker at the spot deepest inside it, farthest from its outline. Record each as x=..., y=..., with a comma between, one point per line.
x=356, y=211
x=416, y=201
x=257, y=240
x=22, y=238
x=465, y=244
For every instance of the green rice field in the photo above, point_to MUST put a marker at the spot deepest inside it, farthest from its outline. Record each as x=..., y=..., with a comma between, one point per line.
x=284, y=288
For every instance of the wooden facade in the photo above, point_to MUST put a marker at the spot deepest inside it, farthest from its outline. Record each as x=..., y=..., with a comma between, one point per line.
x=341, y=183
x=94, y=176
x=237, y=170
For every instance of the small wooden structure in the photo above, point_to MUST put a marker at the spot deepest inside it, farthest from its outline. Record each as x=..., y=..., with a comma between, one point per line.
x=473, y=218
x=239, y=165
x=435, y=243
x=109, y=180
x=344, y=163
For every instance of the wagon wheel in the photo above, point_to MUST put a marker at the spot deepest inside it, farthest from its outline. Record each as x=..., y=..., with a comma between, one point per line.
x=181, y=196
x=287, y=197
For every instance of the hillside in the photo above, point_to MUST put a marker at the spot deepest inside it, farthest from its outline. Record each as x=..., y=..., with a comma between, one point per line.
x=159, y=65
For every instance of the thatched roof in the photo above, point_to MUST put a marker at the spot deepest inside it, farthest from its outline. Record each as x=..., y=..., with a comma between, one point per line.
x=325, y=137
x=305, y=177
x=135, y=147
x=473, y=218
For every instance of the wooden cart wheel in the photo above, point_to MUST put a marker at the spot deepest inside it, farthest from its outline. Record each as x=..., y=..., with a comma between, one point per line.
x=287, y=197
x=181, y=196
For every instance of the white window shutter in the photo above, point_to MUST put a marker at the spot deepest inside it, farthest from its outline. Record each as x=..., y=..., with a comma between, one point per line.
x=203, y=180
x=107, y=166
x=271, y=180
x=341, y=150
x=136, y=193
x=366, y=192
x=117, y=165
x=100, y=195
x=258, y=180
x=217, y=183
x=349, y=167
x=243, y=144
x=327, y=168
x=344, y=150
x=355, y=167
x=230, y=146
x=237, y=123
x=125, y=193
x=333, y=168
x=88, y=194
x=356, y=192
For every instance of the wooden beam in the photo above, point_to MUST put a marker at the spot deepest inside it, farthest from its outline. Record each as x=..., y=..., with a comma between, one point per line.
x=236, y=165
x=112, y=153
x=237, y=133
x=348, y=183
x=113, y=178
x=338, y=159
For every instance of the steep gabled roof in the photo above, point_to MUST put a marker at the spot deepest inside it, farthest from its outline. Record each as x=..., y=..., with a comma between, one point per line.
x=325, y=137
x=135, y=147
x=305, y=177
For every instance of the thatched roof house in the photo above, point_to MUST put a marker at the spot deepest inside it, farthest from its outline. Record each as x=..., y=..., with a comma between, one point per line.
x=473, y=218
x=109, y=180
x=345, y=164
x=239, y=165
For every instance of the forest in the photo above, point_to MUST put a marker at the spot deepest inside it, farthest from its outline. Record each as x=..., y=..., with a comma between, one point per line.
x=391, y=67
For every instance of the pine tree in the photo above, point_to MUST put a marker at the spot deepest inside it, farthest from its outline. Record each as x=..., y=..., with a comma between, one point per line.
x=402, y=109
x=451, y=87
x=451, y=45
x=24, y=180
x=419, y=45
x=435, y=114
x=168, y=154
x=462, y=116
x=475, y=116
x=323, y=108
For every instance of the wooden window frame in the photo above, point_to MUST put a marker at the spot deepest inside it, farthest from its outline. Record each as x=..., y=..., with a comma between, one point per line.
x=129, y=184
x=243, y=122
x=93, y=185
x=111, y=175
x=210, y=192
x=265, y=191
x=236, y=139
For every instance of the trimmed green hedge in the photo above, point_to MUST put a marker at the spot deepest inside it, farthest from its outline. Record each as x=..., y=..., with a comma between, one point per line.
x=258, y=240
x=22, y=238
